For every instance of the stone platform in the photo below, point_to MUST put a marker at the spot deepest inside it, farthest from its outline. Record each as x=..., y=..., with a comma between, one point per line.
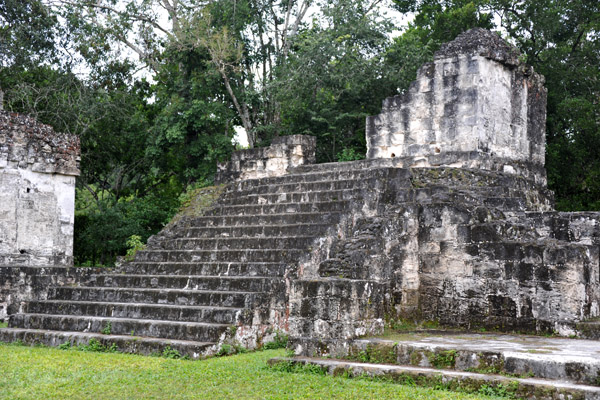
x=534, y=367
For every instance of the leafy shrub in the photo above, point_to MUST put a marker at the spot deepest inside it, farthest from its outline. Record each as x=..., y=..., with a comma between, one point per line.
x=349, y=154
x=134, y=244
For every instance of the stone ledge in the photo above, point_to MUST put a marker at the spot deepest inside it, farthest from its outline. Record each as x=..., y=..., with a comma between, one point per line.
x=533, y=389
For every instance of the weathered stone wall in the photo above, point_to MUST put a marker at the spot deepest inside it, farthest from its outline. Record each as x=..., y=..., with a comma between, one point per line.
x=284, y=152
x=475, y=106
x=37, y=181
x=454, y=246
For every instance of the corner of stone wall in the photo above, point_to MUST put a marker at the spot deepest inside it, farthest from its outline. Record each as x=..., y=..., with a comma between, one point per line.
x=285, y=152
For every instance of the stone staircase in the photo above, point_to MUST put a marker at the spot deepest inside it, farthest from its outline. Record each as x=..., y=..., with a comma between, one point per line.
x=206, y=278
x=325, y=253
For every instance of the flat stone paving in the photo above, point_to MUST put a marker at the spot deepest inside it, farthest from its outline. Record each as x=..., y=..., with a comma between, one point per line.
x=521, y=346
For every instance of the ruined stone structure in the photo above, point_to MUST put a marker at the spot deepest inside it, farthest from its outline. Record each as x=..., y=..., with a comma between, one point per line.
x=475, y=106
x=284, y=153
x=448, y=219
x=37, y=207
x=37, y=201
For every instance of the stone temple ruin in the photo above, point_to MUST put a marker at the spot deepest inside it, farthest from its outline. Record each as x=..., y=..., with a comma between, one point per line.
x=448, y=219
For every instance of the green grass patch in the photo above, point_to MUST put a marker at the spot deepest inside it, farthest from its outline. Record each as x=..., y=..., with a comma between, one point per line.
x=3, y=325
x=38, y=372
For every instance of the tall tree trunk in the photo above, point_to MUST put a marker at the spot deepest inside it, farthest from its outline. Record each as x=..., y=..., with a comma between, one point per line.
x=241, y=109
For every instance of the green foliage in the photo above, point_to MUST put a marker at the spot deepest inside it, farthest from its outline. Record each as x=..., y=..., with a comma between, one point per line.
x=94, y=345
x=65, y=346
x=336, y=76
x=280, y=341
x=225, y=350
x=102, y=230
x=107, y=329
x=229, y=350
x=400, y=325
x=169, y=352
x=3, y=325
x=27, y=33
x=349, y=154
x=442, y=359
x=134, y=244
x=499, y=390
x=296, y=367
x=376, y=354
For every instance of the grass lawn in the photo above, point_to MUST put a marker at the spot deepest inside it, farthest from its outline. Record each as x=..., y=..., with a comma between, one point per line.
x=45, y=373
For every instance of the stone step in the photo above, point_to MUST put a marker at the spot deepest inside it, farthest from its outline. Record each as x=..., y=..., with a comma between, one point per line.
x=219, y=315
x=159, y=296
x=580, y=227
x=207, y=268
x=280, y=205
x=527, y=229
x=214, y=283
x=530, y=388
x=248, y=255
x=299, y=189
x=237, y=243
x=314, y=229
x=334, y=167
x=491, y=196
x=356, y=174
x=265, y=219
x=122, y=343
x=551, y=251
x=507, y=203
x=195, y=331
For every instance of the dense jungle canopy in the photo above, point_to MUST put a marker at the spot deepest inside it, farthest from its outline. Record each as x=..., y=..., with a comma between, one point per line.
x=156, y=88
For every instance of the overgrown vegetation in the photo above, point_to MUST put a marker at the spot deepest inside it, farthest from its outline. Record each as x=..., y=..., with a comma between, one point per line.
x=273, y=68
x=94, y=345
x=69, y=374
x=280, y=341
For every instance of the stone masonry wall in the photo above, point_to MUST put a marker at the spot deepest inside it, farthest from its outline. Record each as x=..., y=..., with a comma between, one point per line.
x=284, y=152
x=475, y=106
x=37, y=181
x=455, y=246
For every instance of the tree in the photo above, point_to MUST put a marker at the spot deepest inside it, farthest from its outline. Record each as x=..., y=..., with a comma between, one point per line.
x=27, y=32
x=335, y=76
x=245, y=39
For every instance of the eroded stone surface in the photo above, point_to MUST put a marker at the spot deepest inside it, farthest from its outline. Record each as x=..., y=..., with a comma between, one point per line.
x=37, y=196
